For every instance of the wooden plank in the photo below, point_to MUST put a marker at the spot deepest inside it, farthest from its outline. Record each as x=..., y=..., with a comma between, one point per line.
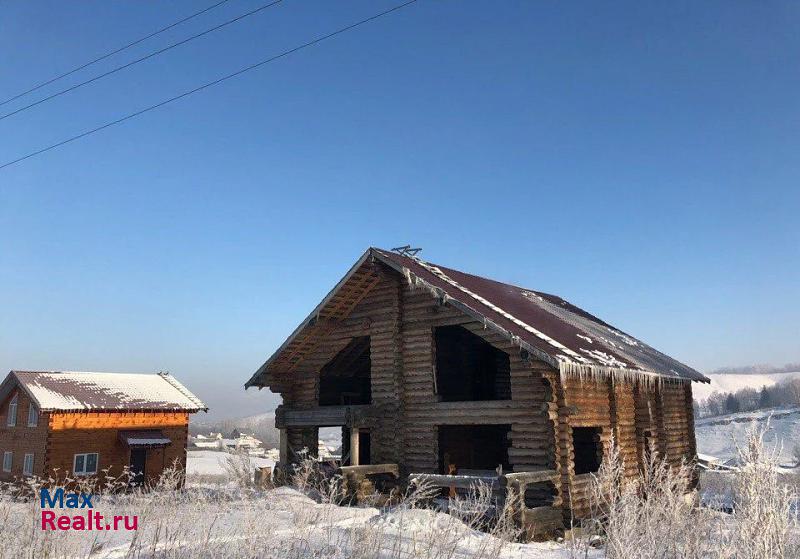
x=459, y=482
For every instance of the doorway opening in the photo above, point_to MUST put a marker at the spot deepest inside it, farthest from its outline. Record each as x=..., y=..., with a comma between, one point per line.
x=588, y=449
x=356, y=447
x=473, y=449
x=137, y=465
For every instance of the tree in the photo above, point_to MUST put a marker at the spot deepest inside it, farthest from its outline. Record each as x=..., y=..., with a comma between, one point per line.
x=793, y=391
x=748, y=399
x=732, y=404
x=765, y=399
x=715, y=403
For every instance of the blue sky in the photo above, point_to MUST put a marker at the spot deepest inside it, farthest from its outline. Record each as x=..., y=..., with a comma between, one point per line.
x=639, y=159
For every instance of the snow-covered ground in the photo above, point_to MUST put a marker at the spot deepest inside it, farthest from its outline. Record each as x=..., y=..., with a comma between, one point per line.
x=718, y=436
x=731, y=382
x=212, y=462
x=279, y=524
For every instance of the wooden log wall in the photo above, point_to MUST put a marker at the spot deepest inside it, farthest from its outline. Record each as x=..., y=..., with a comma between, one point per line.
x=645, y=416
x=625, y=426
x=400, y=321
x=527, y=412
x=664, y=410
x=678, y=426
x=588, y=404
x=377, y=315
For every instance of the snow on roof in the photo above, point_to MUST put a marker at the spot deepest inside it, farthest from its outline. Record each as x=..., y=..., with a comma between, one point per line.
x=85, y=391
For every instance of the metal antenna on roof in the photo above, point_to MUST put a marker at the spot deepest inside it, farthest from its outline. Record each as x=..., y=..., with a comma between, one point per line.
x=406, y=250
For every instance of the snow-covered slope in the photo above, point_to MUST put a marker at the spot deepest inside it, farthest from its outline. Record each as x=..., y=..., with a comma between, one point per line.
x=718, y=436
x=731, y=382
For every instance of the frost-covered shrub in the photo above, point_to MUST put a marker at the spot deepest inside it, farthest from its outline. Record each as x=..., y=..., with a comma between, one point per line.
x=239, y=468
x=656, y=516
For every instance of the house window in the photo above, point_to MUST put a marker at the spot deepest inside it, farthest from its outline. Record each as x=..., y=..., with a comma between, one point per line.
x=11, y=421
x=588, y=449
x=85, y=464
x=469, y=368
x=345, y=379
x=27, y=465
x=33, y=416
x=8, y=459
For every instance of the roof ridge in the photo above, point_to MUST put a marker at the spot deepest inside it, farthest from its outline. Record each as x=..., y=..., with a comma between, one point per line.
x=418, y=259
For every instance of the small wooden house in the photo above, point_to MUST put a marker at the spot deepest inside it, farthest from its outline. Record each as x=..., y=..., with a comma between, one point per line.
x=67, y=424
x=440, y=372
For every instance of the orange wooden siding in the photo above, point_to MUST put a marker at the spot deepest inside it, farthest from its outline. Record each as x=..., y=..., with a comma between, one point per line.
x=59, y=436
x=75, y=433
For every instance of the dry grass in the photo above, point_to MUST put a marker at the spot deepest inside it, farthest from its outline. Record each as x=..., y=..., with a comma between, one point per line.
x=648, y=518
x=241, y=521
x=656, y=516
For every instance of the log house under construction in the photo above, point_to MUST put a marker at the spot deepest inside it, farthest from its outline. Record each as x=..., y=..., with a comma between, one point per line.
x=434, y=372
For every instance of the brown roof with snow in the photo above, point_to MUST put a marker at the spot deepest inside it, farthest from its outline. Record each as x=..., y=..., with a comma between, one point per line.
x=86, y=391
x=547, y=326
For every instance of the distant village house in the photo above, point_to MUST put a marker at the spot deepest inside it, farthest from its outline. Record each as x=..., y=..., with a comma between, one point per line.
x=236, y=441
x=67, y=424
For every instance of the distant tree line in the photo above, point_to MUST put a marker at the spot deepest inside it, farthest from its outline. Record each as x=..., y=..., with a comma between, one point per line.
x=783, y=394
x=757, y=369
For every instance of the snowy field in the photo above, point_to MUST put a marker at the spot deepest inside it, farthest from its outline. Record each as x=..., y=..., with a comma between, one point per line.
x=212, y=462
x=719, y=436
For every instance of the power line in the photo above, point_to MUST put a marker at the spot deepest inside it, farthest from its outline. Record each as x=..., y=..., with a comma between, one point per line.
x=112, y=53
x=143, y=58
x=210, y=84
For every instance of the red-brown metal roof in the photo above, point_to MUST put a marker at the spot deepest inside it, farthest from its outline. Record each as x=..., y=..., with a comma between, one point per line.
x=545, y=325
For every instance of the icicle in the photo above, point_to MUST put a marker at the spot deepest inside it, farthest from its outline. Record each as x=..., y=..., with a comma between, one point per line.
x=597, y=373
x=407, y=274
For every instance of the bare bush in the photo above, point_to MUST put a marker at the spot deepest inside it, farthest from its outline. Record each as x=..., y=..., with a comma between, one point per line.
x=240, y=468
x=656, y=516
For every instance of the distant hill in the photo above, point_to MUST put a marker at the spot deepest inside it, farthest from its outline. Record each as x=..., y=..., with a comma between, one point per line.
x=757, y=369
x=731, y=382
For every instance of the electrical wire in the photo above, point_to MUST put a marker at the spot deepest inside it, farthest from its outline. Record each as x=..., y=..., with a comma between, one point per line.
x=142, y=59
x=112, y=53
x=212, y=83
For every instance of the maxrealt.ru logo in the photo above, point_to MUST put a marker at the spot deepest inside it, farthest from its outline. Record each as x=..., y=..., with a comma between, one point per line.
x=87, y=519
